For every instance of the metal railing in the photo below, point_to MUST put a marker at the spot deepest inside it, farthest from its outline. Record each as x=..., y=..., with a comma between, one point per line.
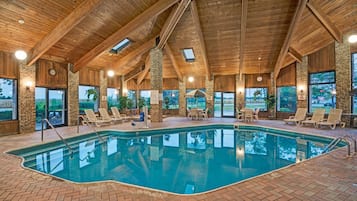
x=85, y=122
x=348, y=139
x=53, y=128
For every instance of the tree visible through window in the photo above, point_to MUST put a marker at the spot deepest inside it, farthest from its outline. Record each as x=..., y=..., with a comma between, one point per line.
x=286, y=99
x=322, y=89
x=173, y=99
x=88, y=98
x=255, y=98
x=8, y=99
x=112, y=97
x=354, y=81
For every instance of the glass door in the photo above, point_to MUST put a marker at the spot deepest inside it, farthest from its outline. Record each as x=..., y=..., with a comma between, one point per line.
x=56, y=107
x=224, y=104
x=50, y=104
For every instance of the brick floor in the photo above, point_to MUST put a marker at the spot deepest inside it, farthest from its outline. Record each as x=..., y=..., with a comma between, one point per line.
x=328, y=177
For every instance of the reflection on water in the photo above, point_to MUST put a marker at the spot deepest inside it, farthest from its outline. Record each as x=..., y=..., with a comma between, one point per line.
x=186, y=162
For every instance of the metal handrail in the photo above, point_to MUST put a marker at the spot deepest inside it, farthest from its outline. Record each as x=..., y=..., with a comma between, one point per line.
x=52, y=127
x=347, y=139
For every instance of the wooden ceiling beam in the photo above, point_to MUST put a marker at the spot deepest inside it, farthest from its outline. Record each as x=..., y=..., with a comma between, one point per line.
x=66, y=25
x=295, y=54
x=293, y=24
x=197, y=24
x=171, y=22
x=135, y=72
x=324, y=20
x=134, y=54
x=123, y=32
x=145, y=72
x=168, y=51
x=243, y=30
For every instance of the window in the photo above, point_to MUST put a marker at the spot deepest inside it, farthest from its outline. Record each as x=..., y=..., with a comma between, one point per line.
x=8, y=99
x=112, y=97
x=255, y=98
x=322, y=90
x=286, y=99
x=199, y=102
x=121, y=45
x=189, y=54
x=145, y=94
x=171, y=99
x=354, y=81
x=131, y=99
x=88, y=98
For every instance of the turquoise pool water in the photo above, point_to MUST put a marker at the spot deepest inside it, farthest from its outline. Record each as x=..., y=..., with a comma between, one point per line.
x=184, y=160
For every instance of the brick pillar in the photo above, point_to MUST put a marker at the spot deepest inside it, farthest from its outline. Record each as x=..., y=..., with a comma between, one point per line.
x=182, y=98
x=240, y=90
x=156, y=82
x=103, y=90
x=272, y=91
x=26, y=98
x=209, y=99
x=343, y=75
x=72, y=100
x=302, y=82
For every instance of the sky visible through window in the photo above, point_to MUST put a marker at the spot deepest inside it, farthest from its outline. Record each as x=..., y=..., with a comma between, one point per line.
x=188, y=54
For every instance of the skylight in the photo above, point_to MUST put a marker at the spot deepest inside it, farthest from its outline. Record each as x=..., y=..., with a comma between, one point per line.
x=189, y=54
x=121, y=45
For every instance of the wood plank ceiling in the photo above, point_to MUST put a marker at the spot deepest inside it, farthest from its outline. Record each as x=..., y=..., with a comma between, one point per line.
x=225, y=40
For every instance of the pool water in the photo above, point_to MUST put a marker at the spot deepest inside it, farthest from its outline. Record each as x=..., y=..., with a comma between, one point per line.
x=184, y=161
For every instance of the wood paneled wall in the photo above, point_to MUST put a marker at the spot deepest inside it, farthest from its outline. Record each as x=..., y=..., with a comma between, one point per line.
x=9, y=67
x=287, y=76
x=114, y=82
x=251, y=80
x=9, y=127
x=170, y=84
x=225, y=83
x=198, y=83
x=322, y=60
x=88, y=76
x=354, y=48
x=131, y=84
x=44, y=79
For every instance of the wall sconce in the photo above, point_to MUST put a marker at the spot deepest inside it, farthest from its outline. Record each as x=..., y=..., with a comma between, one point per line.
x=240, y=91
x=301, y=95
x=28, y=85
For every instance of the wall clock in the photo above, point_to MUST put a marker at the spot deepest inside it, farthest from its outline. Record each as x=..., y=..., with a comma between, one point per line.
x=52, y=71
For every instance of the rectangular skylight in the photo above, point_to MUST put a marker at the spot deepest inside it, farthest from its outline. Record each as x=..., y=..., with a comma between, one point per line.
x=189, y=54
x=121, y=45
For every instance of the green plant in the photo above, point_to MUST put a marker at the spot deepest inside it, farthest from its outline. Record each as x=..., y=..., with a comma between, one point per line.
x=141, y=102
x=123, y=103
x=256, y=94
x=167, y=102
x=270, y=101
x=93, y=93
x=129, y=103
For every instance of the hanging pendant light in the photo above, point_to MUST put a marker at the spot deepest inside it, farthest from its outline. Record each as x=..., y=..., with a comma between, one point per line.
x=259, y=78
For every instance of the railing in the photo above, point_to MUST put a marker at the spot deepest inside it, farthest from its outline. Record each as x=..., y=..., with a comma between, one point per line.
x=53, y=128
x=85, y=122
x=348, y=139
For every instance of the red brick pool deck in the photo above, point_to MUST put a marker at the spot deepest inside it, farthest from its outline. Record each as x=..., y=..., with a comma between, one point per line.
x=330, y=177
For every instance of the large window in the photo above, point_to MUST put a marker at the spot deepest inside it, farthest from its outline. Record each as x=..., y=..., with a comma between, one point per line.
x=8, y=99
x=322, y=91
x=171, y=99
x=112, y=97
x=199, y=102
x=255, y=98
x=131, y=99
x=286, y=99
x=145, y=95
x=88, y=98
x=354, y=81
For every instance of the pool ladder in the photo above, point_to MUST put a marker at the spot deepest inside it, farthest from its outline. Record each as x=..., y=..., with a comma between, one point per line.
x=83, y=119
x=348, y=139
x=53, y=128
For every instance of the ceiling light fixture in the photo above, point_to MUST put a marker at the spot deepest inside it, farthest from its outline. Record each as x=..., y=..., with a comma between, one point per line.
x=21, y=21
x=110, y=73
x=352, y=38
x=191, y=79
x=20, y=55
x=259, y=78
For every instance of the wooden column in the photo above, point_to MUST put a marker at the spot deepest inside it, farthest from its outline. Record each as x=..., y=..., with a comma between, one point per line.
x=103, y=89
x=156, y=83
x=182, y=98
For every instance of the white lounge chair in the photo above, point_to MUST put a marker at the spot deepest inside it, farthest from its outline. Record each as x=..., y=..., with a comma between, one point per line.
x=255, y=114
x=334, y=118
x=117, y=114
x=248, y=115
x=105, y=115
x=92, y=119
x=298, y=117
x=317, y=116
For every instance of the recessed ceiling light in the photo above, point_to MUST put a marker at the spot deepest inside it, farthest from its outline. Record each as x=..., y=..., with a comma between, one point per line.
x=352, y=38
x=191, y=79
x=110, y=73
x=21, y=21
x=20, y=55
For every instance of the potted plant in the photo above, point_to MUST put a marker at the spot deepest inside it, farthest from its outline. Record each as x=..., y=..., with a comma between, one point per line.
x=141, y=103
x=270, y=101
x=166, y=103
x=123, y=100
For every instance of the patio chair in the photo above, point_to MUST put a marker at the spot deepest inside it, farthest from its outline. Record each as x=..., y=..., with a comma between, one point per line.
x=117, y=114
x=334, y=118
x=317, y=116
x=248, y=115
x=204, y=114
x=189, y=114
x=298, y=117
x=105, y=116
x=92, y=119
x=255, y=114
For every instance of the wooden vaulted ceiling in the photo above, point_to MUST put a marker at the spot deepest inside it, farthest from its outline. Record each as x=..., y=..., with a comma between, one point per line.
x=227, y=36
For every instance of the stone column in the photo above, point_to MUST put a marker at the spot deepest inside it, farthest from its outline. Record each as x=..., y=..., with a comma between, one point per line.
x=156, y=82
x=240, y=90
x=343, y=75
x=26, y=97
x=123, y=86
x=272, y=91
x=103, y=90
x=209, y=91
x=302, y=82
x=182, y=98
x=72, y=100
